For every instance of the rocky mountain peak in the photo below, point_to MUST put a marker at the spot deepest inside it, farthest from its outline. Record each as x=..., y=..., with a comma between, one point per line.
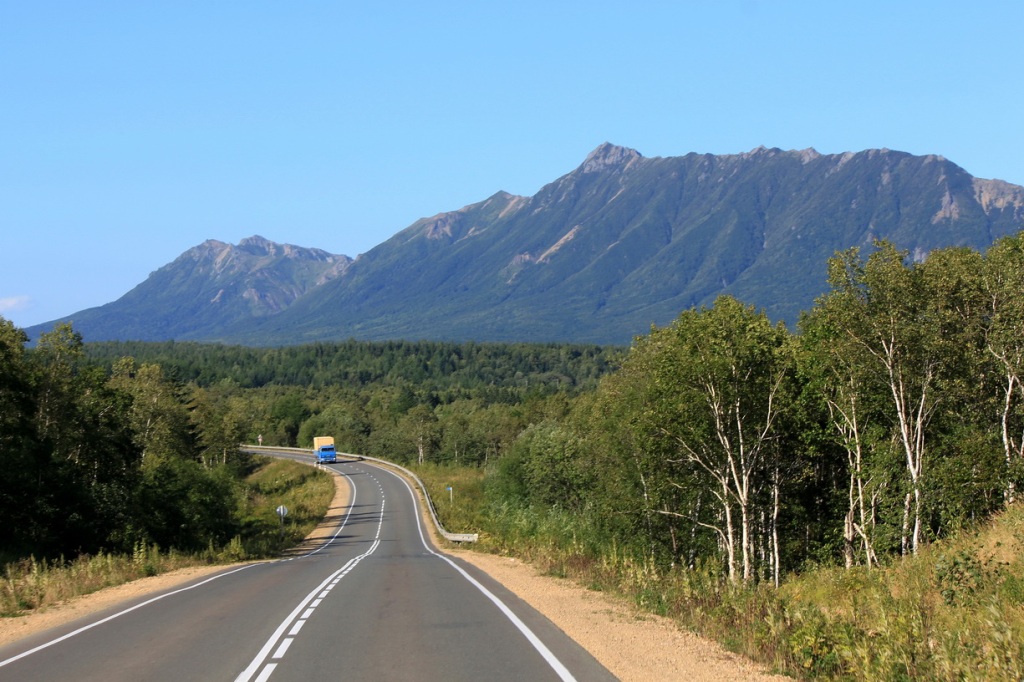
x=609, y=155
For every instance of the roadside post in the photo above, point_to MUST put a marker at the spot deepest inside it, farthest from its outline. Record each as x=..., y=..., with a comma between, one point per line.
x=282, y=511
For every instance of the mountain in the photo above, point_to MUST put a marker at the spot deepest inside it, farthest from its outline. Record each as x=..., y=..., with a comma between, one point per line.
x=209, y=287
x=598, y=255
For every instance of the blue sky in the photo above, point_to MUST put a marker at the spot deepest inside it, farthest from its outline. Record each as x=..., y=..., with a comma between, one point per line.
x=132, y=131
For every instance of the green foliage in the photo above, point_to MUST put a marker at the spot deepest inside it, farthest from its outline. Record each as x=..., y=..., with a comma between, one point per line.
x=723, y=454
x=545, y=466
x=184, y=505
x=413, y=366
x=457, y=494
x=304, y=490
x=31, y=583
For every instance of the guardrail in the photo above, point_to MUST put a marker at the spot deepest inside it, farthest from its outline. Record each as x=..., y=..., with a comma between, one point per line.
x=451, y=537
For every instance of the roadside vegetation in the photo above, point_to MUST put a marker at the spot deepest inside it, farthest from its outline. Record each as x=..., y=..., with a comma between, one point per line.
x=954, y=611
x=31, y=583
x=842, y=501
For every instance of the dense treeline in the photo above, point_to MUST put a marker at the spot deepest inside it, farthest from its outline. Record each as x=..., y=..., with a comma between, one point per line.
x=97, y=461
x=719, y=449
x=894, y=418
x=440, y=366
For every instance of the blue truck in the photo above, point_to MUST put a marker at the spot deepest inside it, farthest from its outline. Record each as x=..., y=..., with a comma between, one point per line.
x=323, y=450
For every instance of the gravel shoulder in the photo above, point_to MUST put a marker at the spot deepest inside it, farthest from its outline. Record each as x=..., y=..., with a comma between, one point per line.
x=631, y=644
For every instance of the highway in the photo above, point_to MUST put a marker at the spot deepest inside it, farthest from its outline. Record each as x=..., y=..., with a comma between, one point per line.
x=375, y=602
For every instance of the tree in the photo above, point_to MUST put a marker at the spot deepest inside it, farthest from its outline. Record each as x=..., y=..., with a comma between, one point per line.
x=55, y=361
x=22, y=458
x=916, y=326
x=1003, y=281
x=159, y=420
x=710, y=394
x=420, y=426
x=220, y=421
x=835, y=375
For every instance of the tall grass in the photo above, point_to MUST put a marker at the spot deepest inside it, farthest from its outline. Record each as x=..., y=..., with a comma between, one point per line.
x=32, y=583
x=29, y=583
x=457, y=494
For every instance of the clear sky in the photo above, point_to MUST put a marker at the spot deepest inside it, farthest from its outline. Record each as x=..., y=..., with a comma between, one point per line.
x=133, y=131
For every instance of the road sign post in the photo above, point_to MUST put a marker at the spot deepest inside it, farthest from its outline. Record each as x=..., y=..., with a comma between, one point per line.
x=282, y=511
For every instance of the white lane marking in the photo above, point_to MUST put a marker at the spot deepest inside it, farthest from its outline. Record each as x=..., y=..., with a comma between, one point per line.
x=258, y=662
x=549, y=657
x=283, y=649
x=90, y=626
x=295, y=629
x=267, y=672
x=344, y=521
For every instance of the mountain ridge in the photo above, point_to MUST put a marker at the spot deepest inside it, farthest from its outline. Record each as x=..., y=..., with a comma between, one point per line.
x=599, y=254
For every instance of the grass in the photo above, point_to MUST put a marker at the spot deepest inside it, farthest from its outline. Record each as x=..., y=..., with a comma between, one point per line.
x=304, y=490
x=30, y=583
x=955, y=611
x=461, y=509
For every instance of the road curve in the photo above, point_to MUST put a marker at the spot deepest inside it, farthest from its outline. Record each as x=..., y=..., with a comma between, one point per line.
x=375, y=602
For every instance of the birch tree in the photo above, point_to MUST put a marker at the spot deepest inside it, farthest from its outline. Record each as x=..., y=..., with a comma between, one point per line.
x=1004, y=342
x=718, y=378
x=915, y=323
x=830, y=363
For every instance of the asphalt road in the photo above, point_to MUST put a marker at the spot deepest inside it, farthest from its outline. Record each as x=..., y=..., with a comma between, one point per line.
x=376, y=602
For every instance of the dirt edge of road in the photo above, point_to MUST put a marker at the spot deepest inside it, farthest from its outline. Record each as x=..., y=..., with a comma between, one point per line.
x=631, y=644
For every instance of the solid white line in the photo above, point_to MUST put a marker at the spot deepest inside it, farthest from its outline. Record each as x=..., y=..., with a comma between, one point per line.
x=552, y=660
x=90, y=626
x=264, y=652
x=344, y=522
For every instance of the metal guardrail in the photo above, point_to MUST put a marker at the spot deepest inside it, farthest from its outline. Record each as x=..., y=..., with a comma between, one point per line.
x=451, y=537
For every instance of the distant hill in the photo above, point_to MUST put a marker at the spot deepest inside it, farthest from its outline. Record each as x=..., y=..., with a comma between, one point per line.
x=597, y=256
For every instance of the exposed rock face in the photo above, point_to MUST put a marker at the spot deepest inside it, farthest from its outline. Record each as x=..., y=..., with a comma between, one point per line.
x=609, y=156
x=266, y=275
x=624, y=241
x=210, y=287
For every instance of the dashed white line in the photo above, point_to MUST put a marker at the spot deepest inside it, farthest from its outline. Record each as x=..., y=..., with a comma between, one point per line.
x=323, y=588
x=283, y=649
x=265, y=675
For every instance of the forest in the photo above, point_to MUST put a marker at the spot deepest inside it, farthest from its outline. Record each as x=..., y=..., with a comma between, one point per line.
x=112, y=446
x=890, y=418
